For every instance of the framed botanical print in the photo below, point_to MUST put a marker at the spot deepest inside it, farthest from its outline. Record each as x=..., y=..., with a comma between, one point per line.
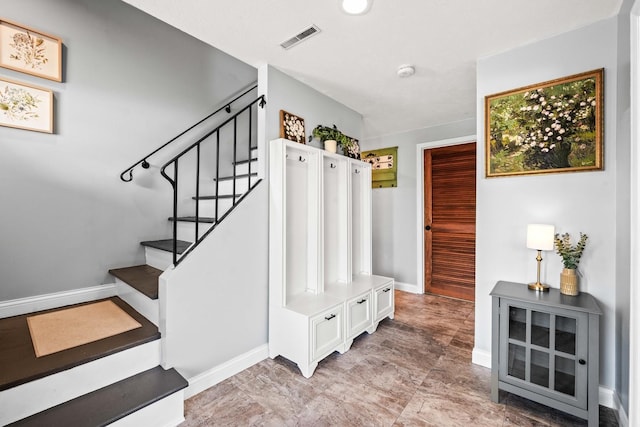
x=30, y=51
x=24, y=106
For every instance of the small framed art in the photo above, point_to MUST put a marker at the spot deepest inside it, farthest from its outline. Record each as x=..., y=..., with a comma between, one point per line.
x=25, y=106
x=30, y=51
x=384, y=166
x=292, y=127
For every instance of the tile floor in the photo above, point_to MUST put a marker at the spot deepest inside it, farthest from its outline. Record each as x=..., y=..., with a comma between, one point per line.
x=414, y=370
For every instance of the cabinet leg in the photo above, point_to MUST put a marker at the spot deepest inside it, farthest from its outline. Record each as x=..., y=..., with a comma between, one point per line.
x=307, y=370
x=344, y=348
x=372, y=328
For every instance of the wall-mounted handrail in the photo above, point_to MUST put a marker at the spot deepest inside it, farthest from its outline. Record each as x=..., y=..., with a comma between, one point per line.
x=173, y=180
x=143, y=162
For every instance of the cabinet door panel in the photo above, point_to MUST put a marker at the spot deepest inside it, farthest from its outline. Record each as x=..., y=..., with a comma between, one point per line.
x=383, y=301
x=326, y=332
x=359, y=315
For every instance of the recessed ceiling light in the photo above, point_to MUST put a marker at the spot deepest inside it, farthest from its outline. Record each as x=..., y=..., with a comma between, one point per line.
x=406, y=70
x=356, y=7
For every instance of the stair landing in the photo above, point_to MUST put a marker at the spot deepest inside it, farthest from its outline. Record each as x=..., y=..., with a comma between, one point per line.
x=20, y=364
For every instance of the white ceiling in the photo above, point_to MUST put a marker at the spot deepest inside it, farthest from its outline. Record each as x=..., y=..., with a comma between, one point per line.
x=354, y=59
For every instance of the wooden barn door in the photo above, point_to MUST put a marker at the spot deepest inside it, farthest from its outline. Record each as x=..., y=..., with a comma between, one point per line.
x=450, y=220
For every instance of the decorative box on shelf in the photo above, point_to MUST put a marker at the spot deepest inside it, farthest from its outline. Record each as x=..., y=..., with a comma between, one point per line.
x=545, y=347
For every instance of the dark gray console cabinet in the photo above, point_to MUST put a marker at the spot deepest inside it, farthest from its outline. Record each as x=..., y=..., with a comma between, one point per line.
x=545, y=347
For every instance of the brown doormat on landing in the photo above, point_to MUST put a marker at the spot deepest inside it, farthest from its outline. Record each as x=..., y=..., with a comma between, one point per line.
x=71, y=327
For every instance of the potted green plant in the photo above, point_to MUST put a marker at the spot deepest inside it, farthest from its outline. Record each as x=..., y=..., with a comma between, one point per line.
x=570, y=255
x=331, y=136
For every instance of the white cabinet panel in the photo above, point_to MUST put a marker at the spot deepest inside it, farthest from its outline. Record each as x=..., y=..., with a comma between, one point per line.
x=384, y=301
x=326, y=332
x=359, y=315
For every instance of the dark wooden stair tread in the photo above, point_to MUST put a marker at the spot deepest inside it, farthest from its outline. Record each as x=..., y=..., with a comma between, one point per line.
x=222, y=196
x=16, y=348
x=167, y=245
x=144, y=278
x=111, y=403
x=242, y=175
x=242, y=162
x=204, y=219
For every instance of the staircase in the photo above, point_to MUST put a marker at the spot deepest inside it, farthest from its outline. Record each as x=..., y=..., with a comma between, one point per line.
x=119, y=380
x=116, y=379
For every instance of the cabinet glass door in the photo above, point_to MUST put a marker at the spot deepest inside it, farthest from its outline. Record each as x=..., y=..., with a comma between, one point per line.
x=542, y=350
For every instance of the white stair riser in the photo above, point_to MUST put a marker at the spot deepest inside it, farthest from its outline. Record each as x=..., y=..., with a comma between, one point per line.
x=157, y=258
x=36, y=396
x=187, y=230
x=208, y=208
x=226, y=187
x=244, y=168
x=168, y=412
x=144, y=305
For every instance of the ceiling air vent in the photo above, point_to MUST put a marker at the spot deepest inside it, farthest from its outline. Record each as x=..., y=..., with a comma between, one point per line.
x=305, y=34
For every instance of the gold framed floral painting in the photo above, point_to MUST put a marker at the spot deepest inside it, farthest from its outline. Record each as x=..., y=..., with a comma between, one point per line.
x=24, y=106
x=550, y=127
x=29, y=51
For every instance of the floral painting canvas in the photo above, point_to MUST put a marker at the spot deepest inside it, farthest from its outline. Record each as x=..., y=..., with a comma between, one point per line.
x=554, y=126
x=29, y=51
x=24, y=106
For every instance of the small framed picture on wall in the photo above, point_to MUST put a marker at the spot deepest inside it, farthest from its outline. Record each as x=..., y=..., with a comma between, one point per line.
x=30, y=51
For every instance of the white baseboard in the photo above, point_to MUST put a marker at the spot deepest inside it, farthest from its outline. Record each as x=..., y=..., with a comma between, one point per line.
x=226, y=370
x=481, y=357
x=20, y=306
x=623, y=418
x=407, y=287
x=606, y=396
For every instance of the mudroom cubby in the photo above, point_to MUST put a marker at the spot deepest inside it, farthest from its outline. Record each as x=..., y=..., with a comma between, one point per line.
x=321, y=291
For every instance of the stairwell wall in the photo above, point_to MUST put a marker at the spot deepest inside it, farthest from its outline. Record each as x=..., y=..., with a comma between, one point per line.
x=130, y=83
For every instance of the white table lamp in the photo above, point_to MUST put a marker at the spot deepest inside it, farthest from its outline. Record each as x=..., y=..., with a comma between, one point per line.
x=540, y=237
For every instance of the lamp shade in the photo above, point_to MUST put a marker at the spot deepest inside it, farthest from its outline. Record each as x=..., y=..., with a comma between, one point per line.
x=540, y=236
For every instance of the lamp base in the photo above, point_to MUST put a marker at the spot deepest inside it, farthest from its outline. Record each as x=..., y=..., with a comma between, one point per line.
x=539, y=287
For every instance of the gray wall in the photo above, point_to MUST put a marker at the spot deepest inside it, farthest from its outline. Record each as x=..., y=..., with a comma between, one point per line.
x=130, y=83
x=286, y=93
x=583, y=201
x=623, y=208
x=394, y=209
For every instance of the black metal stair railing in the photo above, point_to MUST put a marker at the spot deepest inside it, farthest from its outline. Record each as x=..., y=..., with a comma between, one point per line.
x=227, y=133
x=144, y=163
